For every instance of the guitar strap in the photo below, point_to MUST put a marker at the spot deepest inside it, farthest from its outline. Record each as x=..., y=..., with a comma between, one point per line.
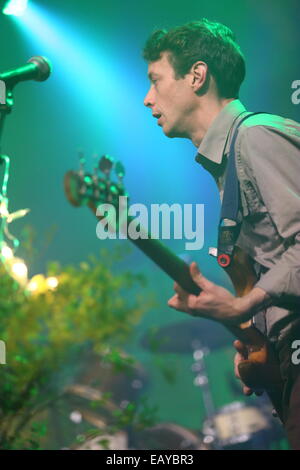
x=231, y=216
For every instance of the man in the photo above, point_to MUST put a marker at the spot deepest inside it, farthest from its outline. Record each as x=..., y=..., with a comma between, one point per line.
x=195, y=72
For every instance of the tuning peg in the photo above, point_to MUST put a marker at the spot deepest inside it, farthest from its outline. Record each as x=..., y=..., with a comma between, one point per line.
x=120, y=170
x=105, y=164
x=81, y=157
x=82, y=161
x=95, y=158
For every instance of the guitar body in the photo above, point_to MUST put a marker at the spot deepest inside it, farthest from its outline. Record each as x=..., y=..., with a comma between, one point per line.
x=260, y=371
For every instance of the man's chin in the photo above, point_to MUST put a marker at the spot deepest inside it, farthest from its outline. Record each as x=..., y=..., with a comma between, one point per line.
x=170, y=132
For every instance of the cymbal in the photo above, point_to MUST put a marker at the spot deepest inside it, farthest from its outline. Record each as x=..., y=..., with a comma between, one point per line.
x=186, y=336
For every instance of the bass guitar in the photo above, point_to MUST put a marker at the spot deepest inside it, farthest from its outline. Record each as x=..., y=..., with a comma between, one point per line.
x=260, y=371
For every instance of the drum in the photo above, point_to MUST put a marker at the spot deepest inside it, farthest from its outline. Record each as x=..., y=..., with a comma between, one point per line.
x=168, y=436
x=234, y=424
x=116, y=441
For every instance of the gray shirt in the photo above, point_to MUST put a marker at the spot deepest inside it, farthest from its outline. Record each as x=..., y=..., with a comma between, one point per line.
x=267, y=154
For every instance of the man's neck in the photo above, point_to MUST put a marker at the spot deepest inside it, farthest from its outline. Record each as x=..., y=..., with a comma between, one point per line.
x=205, y=114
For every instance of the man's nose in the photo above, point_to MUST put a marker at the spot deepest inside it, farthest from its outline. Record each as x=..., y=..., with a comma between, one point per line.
x=148, y=101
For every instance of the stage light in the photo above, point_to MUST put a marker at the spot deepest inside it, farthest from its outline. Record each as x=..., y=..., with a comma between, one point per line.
x=6, y=252
x=15, y=7
x=85, y=68
x=37, y=284
x=52, y=282
x=18, y=270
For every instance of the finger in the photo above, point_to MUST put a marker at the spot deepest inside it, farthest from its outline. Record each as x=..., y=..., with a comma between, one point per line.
x=247, y=391
x=180, y=291
x=198, y=277
x=176, y=303
x=173, y=301
x=241, y=348
x=237, y=359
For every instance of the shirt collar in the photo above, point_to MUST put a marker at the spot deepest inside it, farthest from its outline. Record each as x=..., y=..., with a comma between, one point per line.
x=213, y=143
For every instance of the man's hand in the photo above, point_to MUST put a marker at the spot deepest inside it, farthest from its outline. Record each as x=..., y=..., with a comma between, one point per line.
x=217, y=303
x=213, y=302
x=240, y=356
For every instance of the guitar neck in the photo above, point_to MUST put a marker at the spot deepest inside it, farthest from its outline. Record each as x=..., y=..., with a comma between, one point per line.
x=179, y=271
x=171, y=264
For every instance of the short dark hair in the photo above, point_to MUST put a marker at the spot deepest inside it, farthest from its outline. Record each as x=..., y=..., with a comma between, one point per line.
x=208, y=41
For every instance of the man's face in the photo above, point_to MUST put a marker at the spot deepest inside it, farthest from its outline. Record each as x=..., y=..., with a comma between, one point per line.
x=171, y=101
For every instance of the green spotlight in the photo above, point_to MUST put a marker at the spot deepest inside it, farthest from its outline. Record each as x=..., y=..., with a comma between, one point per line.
x=15, y=7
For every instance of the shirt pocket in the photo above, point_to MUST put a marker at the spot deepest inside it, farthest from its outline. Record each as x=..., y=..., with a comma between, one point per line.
x=251, y=201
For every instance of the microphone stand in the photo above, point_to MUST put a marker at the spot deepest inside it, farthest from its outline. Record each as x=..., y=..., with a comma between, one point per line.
x=6, y=104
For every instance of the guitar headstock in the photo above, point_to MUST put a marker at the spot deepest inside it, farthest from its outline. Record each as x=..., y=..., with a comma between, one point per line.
x=92, y=189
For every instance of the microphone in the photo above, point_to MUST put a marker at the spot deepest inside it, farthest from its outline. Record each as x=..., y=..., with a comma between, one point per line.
x=37, y=68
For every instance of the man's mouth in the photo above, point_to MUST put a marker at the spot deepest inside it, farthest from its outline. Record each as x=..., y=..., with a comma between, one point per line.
x=158, y=116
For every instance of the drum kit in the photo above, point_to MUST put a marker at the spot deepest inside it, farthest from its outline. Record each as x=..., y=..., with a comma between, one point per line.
x=237, y=425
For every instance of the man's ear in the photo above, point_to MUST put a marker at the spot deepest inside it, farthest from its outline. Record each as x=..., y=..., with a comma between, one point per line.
x=200, y=77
